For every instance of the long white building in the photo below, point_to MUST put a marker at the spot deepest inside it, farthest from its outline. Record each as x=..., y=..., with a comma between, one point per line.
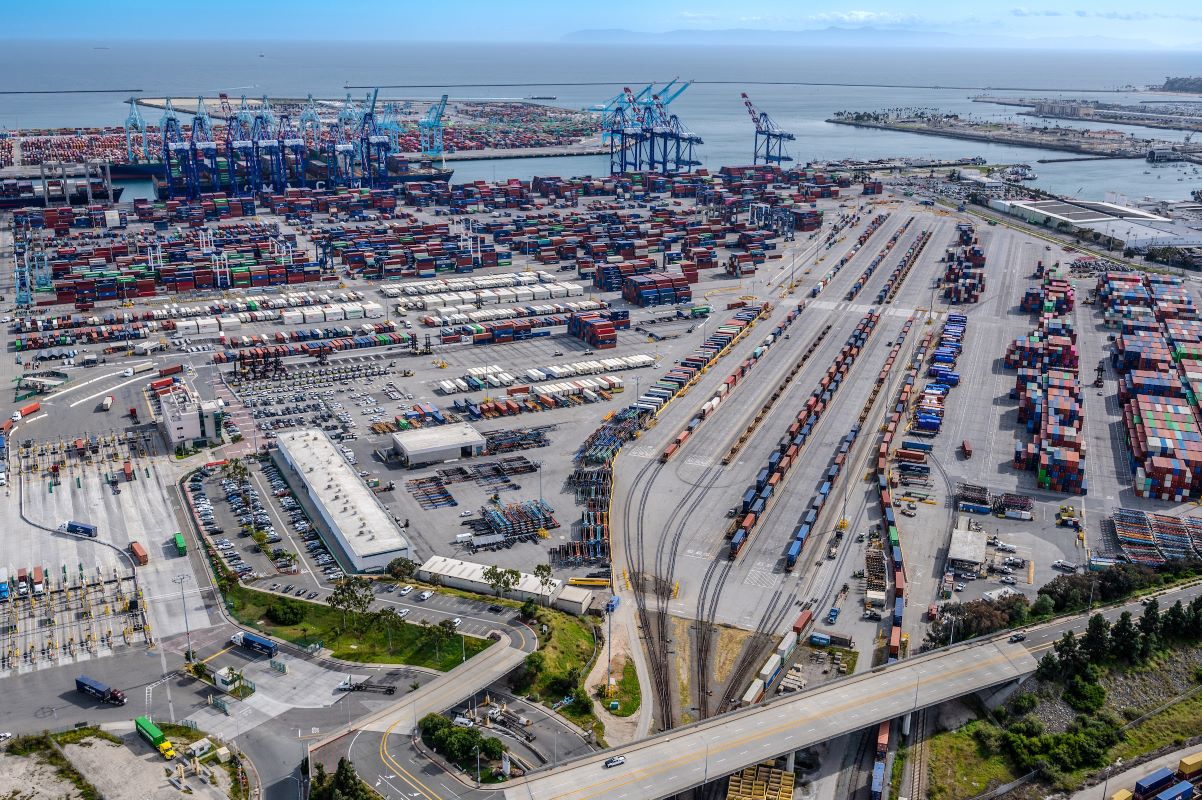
x=348, y=510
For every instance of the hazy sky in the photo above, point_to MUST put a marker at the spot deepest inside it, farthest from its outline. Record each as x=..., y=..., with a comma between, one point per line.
x=1172, y=23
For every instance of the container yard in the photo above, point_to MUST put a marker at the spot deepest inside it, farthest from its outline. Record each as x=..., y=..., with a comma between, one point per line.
x=735, y=415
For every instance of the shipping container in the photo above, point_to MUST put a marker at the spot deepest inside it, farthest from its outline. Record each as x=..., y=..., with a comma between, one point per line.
x=139, y=553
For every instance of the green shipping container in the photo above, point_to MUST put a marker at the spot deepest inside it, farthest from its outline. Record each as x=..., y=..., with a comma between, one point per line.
x=181, y=547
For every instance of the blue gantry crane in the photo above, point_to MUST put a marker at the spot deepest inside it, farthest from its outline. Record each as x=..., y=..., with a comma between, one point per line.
x=204, y=149
x=374, y=146
x=769, y=138
x=294, y=150
x=267, y=145
x=670, y=142
x=643, y=135
x=241, y=163
x=179, y=167
x=135, y=122
x=429, y=129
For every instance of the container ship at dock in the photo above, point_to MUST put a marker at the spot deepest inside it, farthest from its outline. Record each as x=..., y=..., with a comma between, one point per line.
x=316, y=172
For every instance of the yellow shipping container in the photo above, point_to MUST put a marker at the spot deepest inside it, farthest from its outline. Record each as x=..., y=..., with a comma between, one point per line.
x=1190, y=766
x=1122, y=794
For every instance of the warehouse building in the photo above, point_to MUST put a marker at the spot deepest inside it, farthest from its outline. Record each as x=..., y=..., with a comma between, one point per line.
x=967, y=550
x=367, y=534
x=470, y=576
x=437, y=444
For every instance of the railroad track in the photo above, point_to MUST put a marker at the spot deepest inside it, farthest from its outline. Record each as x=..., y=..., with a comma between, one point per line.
x=859, y=778
x=774, y=613
x=919, y=755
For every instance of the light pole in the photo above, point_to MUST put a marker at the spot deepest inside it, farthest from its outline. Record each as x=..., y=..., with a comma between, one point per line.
x=180, y=580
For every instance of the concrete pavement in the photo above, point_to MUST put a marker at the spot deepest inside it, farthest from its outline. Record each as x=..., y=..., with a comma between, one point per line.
x=691, y=756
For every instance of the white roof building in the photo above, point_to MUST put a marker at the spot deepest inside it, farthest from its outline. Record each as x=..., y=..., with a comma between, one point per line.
x=470, y=576
x=364, y=530
x=438, y=443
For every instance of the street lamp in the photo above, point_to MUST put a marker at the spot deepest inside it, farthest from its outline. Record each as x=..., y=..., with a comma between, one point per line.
x=180, y=580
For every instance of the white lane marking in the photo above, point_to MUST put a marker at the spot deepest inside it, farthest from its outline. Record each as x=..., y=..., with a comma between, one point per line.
x=102, y=392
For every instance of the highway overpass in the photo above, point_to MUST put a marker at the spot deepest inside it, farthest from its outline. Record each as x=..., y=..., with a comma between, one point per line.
x=687, y=757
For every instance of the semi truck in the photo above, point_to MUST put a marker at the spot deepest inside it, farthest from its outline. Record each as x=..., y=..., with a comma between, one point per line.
x=102, y=692
x=154, y=737
x=39, y=581
x=181, y=547
x=108, y=402
x=257, y=643
x=3, y=584
x=22, y=582
x=82, y=529
x=26, y=411
x=129, y=372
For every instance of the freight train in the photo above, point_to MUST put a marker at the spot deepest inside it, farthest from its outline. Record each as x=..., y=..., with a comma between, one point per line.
x=757, y=497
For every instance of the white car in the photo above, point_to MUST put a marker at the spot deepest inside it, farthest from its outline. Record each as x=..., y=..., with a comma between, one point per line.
x=426, y=595
x=404, y=612
x=456, y=622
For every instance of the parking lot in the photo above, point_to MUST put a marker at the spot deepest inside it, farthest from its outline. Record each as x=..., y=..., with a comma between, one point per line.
x=256, y=527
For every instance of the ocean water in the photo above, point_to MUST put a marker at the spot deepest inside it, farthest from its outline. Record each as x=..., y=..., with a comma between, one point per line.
x=711, y=107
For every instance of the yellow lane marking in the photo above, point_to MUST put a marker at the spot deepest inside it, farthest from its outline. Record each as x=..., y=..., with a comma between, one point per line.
x=219, y=652
x=792, y=723
x=406, y=776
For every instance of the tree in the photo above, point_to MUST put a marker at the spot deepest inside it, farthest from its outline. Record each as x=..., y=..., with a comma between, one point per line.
x=437, y=635
x=285, y=612
x=543, y=573
x=388, y=617
x=1043, y=606
x=1149, y=627
x=1174, y=625
x=403, y=569
x=1068, y=651
x=492, y=748
x=535, y=663
x=344, y=784
x=528, y=608
x=351, y=594
x=1125, y=639
x=502, y=580
x=259, y=537
x=1096, y=642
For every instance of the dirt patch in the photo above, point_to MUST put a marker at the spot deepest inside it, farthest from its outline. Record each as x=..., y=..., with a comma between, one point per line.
x=684, y=646
x=730, y=645
x=30, y=778
x=131, y=769
x=618, y=730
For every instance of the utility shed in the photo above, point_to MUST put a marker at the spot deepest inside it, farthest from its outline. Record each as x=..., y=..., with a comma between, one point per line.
x=351, y=512
x=574, y=600
x=470, y=576
x=967, y=550
x=437, y=444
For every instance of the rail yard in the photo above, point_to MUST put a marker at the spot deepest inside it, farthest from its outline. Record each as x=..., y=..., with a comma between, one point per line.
x=785, y=417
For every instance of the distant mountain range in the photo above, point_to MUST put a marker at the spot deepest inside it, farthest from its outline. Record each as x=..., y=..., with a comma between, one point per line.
x=845, y=37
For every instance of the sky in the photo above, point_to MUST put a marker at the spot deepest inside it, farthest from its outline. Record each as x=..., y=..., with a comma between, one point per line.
x=1157, y=23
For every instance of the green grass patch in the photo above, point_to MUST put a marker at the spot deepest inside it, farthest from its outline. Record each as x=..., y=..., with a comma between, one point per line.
x=899, y=768
x=41, y=747
x=367, y=643
x=1172, y=726
x=77, y=735
x=850, y=658
x=960, y=768
x=629, y=696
